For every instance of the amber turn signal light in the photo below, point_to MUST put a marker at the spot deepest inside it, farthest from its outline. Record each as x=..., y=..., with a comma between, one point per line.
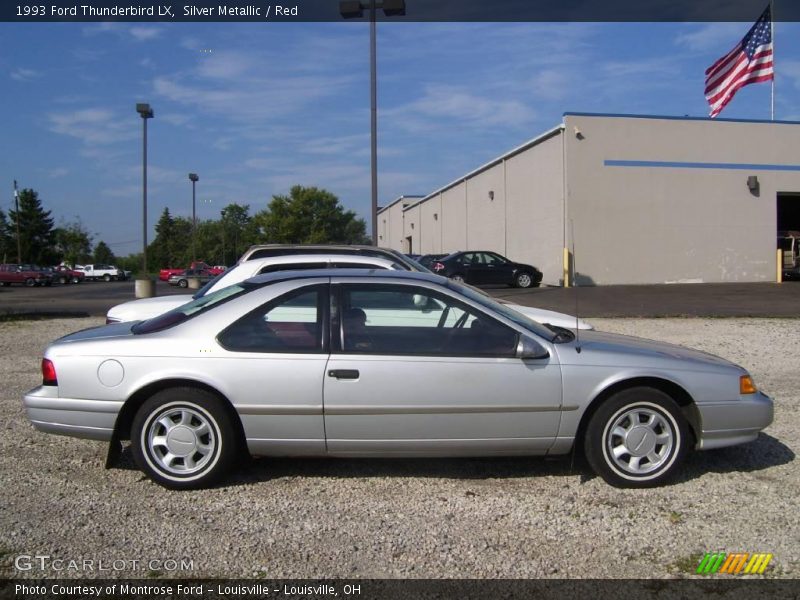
x=746, y=385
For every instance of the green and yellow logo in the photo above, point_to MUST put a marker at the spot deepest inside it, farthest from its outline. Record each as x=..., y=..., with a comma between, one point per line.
x=737, y=563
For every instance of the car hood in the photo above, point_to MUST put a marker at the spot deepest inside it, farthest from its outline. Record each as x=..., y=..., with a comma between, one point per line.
x=540, y=315
x=602, y=348
x=147, y=308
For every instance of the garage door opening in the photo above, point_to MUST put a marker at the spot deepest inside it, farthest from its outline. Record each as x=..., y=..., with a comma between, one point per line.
x=789, y=234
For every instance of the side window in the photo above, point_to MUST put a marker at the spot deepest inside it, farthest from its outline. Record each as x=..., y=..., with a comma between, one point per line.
x=289, y=324
x=293, y=267
x=494, y=259
x=406, y=320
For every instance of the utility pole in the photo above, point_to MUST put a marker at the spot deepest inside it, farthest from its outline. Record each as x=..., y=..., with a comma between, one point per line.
x=16, y=208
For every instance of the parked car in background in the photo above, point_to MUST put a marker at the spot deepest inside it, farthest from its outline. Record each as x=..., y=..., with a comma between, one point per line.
x=182, y=279
x=353, y=362
x=426, y=260
x=64, y=274
x=165, y=274
x=24, y=275
x=147, y=308
x=483, y=267
x=265, y=250
x=104, y=272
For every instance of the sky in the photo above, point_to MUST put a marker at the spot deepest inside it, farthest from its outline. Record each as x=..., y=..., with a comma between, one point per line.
x=255, y=108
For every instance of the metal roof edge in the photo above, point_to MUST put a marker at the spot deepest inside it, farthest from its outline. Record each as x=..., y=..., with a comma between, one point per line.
x=514, y=151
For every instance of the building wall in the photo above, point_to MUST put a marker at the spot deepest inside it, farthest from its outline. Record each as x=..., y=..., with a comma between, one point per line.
x=430, y=240
x=663, y=222
x=534, y=208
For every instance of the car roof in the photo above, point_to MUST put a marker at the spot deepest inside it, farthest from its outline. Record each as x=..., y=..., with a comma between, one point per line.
x=377, y=274
x=321, y=257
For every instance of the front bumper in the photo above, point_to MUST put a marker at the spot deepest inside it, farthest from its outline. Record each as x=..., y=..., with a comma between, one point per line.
x=734, y=422
x=90, y=419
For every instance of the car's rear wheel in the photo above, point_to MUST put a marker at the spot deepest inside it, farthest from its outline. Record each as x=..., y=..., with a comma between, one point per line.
x=62, y=280
x=30, y=282
x=183, y=283
x=106, y=277
x=523, y=280
x=457, y=277
x=637, y=438
x=76, y=280
x=184, y=438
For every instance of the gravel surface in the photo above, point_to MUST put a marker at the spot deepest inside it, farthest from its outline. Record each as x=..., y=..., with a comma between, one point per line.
x=482, y=518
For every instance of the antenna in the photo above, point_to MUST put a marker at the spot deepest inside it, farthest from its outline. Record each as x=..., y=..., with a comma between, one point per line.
x=575, y=286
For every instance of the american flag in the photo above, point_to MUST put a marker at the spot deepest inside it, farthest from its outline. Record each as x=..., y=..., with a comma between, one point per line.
x=749, y=62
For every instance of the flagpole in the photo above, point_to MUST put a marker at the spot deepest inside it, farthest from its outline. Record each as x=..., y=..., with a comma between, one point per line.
x=772, y=35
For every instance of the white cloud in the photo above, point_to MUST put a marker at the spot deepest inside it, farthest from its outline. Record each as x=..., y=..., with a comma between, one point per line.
x=139, y=33
x=142, y=33
x=458, y=104
x=91, y=126
x=713, y=36
x=58, y=172
x=21, y=74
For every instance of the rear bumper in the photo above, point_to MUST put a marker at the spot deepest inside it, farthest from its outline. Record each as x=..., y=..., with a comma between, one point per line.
x=734, y=422
x=90, y=419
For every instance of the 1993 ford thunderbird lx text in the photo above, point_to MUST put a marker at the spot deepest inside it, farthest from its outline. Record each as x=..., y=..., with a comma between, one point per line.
x=384, y=363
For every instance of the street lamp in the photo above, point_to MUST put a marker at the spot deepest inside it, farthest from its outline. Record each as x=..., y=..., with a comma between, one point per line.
x=194, y=178
x=145, y=112
x=355, y=9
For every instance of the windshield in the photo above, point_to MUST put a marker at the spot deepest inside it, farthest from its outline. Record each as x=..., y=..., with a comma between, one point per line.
x=187, y=311
x=484, y=299
x=211, y=283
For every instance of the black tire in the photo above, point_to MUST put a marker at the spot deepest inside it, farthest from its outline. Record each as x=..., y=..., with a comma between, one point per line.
x=643, y=425
x=523, y=280
x=194, y=408
x=183, y=283
x=76, y=280
x=62, y=280
x=30, y=282
x=106, y=277
x=458, y=277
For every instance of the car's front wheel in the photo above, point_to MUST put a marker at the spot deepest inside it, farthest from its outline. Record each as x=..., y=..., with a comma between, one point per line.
x=183, y=283
x=523, y=280
x=184, y=438
x=637, y=438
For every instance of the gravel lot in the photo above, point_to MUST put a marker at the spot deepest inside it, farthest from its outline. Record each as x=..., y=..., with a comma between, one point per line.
x=498, y=518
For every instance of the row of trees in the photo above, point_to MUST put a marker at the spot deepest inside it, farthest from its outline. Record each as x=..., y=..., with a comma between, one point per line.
x=306, y=215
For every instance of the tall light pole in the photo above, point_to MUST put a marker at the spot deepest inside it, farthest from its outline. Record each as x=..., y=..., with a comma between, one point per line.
x=194, y=178
x=145, y=112
x=355, y=9
x=16, y=208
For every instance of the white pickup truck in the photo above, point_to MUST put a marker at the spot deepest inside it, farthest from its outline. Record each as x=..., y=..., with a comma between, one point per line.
x=104, y=272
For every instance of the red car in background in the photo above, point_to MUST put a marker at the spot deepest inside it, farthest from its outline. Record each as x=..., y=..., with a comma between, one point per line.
x=63, y=274
x=24, y=275
x=165, y=274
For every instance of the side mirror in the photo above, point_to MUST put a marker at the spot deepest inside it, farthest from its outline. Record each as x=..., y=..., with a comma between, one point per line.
x=528, y=348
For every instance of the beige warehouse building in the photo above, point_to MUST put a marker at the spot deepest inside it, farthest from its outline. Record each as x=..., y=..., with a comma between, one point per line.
x=648, y=199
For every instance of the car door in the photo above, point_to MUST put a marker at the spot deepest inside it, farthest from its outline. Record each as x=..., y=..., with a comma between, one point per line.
x=276, y=355
x=416, y=371
x=500, y=269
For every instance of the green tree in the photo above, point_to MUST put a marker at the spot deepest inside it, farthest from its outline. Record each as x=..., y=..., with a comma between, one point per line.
x=73, y=242
x=309, y=215
x=172, y=245
x=103, y=254
x=35, y=229
x=237, y=231
x=8, y=240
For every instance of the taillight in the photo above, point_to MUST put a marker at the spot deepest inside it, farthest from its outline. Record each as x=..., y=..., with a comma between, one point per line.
x=48, y=372
x=437, y=266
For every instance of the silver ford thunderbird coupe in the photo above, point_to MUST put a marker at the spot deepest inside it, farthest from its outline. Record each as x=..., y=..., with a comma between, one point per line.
x=384, y=363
